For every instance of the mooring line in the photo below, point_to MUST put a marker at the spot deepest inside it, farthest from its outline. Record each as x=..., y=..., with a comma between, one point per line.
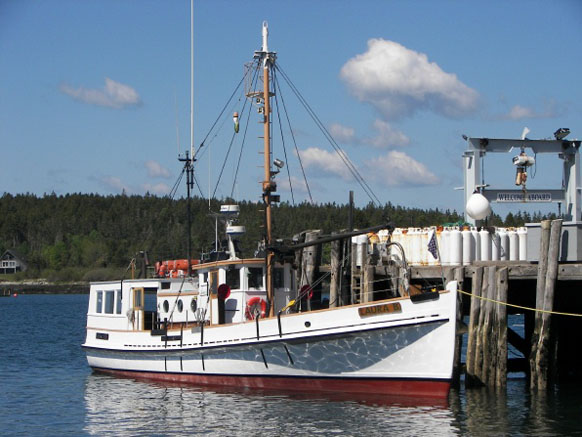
x=558, y=313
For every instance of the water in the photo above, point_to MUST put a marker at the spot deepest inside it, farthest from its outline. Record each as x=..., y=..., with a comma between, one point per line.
x=46, y=389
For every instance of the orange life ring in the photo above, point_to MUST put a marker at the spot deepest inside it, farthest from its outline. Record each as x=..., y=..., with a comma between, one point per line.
x=255, y=305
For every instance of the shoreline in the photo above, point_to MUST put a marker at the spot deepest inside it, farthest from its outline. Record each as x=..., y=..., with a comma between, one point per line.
x=44, y=287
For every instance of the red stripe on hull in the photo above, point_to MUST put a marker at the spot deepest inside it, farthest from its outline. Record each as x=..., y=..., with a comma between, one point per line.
x=393, y=387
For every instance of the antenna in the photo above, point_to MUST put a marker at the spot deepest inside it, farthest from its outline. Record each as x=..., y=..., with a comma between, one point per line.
x=192, y=80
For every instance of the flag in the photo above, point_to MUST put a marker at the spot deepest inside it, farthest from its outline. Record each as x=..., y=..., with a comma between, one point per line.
x=432, y=245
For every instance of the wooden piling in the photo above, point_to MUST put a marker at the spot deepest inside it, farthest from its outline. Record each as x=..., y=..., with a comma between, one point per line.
x=459, y=276
x=335, y=277
x=541, y=355
x=364, y=278
x=501, y=318
x=471, y=356
x=310, y=259
x=479, y=356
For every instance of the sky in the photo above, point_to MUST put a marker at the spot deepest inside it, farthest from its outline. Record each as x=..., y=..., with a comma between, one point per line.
x=95, y=95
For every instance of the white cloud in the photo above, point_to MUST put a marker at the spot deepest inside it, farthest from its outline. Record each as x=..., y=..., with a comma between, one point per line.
x=343, y=134
x=519, y=112
x=325, y=162
x=113, y=95
x=160, y=188
x=116, y=184
x=398, y=82
x=386, y=136
x=156, y=170
x=396, y=168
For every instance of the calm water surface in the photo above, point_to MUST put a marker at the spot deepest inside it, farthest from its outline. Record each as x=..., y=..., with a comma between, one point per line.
x=46, y=388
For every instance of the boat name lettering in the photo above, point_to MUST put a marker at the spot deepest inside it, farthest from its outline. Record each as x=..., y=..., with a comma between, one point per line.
x=380, y=309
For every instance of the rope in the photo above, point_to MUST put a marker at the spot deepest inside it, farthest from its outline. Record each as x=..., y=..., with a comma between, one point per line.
x=558, y=313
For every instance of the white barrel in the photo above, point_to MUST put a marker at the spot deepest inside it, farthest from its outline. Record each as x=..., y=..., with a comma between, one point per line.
x=485, y=241
x=513, y=244
x=426, y=257
x=362, y=248
x=456, y=247
x=522, y=237
x=504, y=244
x=468, y=247
x=396, y=237
x=476, y=243
x=444, y=247
x=413, y=236
x=495, y=246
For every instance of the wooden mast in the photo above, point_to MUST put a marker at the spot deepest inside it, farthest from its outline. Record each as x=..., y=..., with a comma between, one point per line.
x=269, y=185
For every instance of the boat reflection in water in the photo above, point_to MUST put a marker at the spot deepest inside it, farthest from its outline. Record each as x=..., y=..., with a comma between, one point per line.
x=130, y=407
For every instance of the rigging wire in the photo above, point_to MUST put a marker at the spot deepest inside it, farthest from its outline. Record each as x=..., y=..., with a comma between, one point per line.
x=294, y=142
x=243, y=141
x=220, y=115
x=343, y=155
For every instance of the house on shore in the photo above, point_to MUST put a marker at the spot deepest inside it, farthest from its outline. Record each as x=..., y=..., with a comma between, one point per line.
x=11, y=262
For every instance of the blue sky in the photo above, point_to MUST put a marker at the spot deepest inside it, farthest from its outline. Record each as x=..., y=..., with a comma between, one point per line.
x=95, y=95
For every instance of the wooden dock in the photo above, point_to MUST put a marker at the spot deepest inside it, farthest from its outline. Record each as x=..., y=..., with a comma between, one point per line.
x=543, y=298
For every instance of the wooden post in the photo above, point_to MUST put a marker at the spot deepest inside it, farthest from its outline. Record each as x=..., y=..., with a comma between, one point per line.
x=544, y=348
x=501, y=316
x=355, y=274
x=459, y=276
x=471, y=359
x=310, y=261
x=365, y=282
x=299, y=265
x=335, y=277
x=479, y=348
x=487, y=327
x=540, y=289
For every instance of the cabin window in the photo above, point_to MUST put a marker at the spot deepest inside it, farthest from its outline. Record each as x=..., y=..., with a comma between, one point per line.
x=166, y=306
x=118, y=302
x=233, y=278
x=255, y=277
x=279, y=277
x=180, y=305
x=109, y=301
x=99, y=307
x=214, y=282
x=193, y=305
x=205, y=277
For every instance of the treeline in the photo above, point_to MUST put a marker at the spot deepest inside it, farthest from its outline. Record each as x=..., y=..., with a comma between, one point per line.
x=91, y=231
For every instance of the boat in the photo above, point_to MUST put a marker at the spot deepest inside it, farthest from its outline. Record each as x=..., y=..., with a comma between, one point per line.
x=231, y=321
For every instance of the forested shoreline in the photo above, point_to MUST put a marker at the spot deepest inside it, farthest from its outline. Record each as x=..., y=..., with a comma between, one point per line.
x=89, y=237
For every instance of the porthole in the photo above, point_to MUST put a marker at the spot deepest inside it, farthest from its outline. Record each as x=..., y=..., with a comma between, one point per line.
x=166, y=306
x=193, y=305
x=180, y=305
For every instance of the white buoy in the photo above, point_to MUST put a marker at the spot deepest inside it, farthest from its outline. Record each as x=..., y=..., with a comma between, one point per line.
x=456, y=247
x=495, y=246
x=513, y=244
x=485, y=242
x=444, y=246
x=503, y=244
x=476, y=244
x=468, y=246
x=522, y=236
x=413, y=236
x=478, y=206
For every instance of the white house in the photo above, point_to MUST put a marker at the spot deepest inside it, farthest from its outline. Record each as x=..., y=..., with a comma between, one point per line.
x=11, y=262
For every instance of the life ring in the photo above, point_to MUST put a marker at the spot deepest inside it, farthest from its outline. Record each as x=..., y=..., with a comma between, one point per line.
x=255, y=306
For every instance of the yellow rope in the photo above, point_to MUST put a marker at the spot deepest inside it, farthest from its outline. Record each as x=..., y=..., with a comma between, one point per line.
x=519, y=306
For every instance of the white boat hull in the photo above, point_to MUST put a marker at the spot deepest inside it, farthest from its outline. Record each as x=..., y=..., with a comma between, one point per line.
x=408, y=351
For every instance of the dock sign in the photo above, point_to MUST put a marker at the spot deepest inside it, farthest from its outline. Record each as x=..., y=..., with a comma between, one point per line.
x=520, y=197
